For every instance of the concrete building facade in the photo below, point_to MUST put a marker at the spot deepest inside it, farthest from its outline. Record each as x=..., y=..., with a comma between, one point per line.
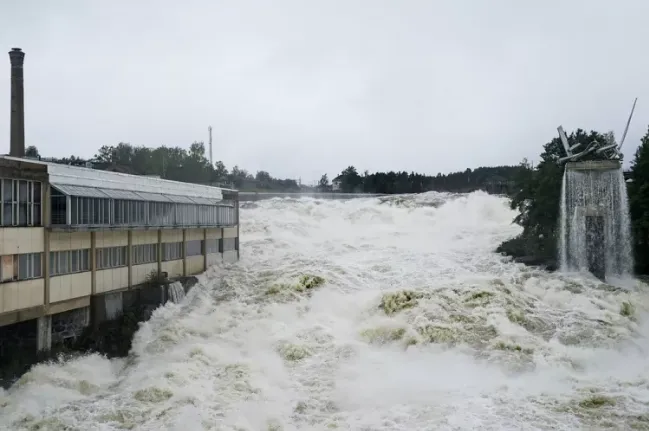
x=71, y=237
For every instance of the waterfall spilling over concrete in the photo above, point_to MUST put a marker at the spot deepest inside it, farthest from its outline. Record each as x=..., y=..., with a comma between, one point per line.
x=595, y=229
x=176, y=292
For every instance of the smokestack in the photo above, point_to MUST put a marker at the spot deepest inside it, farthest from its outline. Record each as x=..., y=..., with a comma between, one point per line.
x=17, y=141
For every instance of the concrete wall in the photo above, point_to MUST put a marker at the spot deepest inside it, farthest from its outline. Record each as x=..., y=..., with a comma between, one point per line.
x=60, y=241
x=63, y=292
x=141, y=272
x=214, y=259
x=173, y=268
x=172, y=235
x=111, y=238
x=69, y=286
x=145, y=237
x=111, y=279
x=20, y=240
x=21, y=294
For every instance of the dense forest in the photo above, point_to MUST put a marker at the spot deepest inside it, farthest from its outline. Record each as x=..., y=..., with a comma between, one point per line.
x=537, y=195
x=192, y=166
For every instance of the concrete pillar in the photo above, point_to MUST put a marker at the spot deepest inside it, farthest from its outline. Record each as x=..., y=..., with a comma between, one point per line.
x=46, y=218
x=237, y=213
x=17, y=134
x=204, y=249
x=44, y=333
x=159, y=251
x=93, y=262
x=129, y=258
x=184, y=252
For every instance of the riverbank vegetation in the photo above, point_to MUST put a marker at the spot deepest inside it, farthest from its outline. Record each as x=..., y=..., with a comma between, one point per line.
x=191, y=165
x=537, y=194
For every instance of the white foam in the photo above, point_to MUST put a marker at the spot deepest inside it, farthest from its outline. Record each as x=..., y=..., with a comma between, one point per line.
x=232, y=357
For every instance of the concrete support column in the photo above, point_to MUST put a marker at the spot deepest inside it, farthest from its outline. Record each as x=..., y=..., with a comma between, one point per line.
x=159, y=251
x=129, y=258
x=184, y=252
x=93, y=262
x=68, y=210
x=204, y=249
x=44, y=333
x=237, y=212
x=46, y=218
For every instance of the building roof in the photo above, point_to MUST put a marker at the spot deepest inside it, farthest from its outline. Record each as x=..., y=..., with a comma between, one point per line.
x=80, y=181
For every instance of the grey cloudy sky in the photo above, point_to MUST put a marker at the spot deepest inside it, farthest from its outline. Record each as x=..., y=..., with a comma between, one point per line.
x=300, y=88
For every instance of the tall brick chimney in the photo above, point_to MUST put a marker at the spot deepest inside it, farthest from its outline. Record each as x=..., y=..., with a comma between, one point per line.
x=17, y=140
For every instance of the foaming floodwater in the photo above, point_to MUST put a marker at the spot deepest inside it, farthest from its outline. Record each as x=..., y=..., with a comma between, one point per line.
x=369, y=314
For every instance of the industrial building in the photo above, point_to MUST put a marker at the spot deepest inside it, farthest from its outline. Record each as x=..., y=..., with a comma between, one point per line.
x=72, y=236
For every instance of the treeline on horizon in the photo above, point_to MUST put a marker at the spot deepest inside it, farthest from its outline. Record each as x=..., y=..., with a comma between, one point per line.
x=537, y=196
x=192, y=166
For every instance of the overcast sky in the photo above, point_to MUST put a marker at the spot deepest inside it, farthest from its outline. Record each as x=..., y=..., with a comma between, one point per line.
x=300, y=88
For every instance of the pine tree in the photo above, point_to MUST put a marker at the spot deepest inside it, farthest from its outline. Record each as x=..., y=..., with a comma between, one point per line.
x=639, y=204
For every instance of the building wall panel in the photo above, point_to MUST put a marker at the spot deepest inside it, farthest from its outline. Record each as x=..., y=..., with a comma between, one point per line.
x=174, y=268
x=214, y=233
x=195, y=265
x=230, y=256
x=21, y=294
x=229, y=232
x=111, y=279
x=194, y=234
x=70, y=286
x=69, y=241
x=172, y=235
x=145, y=237
x=141, y=272
x=111, y=238
x=214, y=259
x=20, y=240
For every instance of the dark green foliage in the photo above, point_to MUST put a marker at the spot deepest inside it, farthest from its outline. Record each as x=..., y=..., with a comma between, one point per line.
x=639, y=205
x=192, y=166
x=178, y=164
x=537, y=197
x=492, y=179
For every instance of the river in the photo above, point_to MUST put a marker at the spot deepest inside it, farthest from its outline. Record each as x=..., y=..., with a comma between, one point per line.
x=462, y=340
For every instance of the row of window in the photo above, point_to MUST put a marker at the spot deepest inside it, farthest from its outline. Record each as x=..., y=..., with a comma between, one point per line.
x=117, y=212
x=29, y=265
x=21, y=202
x=21, y=266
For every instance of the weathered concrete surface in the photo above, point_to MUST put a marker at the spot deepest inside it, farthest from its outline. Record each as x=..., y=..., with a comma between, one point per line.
x=594, y=165
x=81, y=331
x=255, y=196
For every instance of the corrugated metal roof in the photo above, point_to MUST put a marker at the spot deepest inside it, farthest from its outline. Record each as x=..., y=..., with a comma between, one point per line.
x=122, y=194
x=180, y=199
x=153, y=197
x=100, y=192
x=85, y=192
x=204, y=201
x=87, y=177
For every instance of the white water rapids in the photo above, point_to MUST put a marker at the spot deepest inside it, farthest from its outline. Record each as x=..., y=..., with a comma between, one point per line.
x=485, y=344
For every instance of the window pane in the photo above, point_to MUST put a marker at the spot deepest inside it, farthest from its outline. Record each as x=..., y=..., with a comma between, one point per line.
x=38, y=265
x=37, y=192
x=37, y=215
x=53, y=263
x=23, y=266
x=85, y=253
x=74, y=260
x=64, y=262
x=22, y=191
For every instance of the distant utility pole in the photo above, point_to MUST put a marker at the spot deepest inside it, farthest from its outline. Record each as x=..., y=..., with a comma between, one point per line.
x=209, y=129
